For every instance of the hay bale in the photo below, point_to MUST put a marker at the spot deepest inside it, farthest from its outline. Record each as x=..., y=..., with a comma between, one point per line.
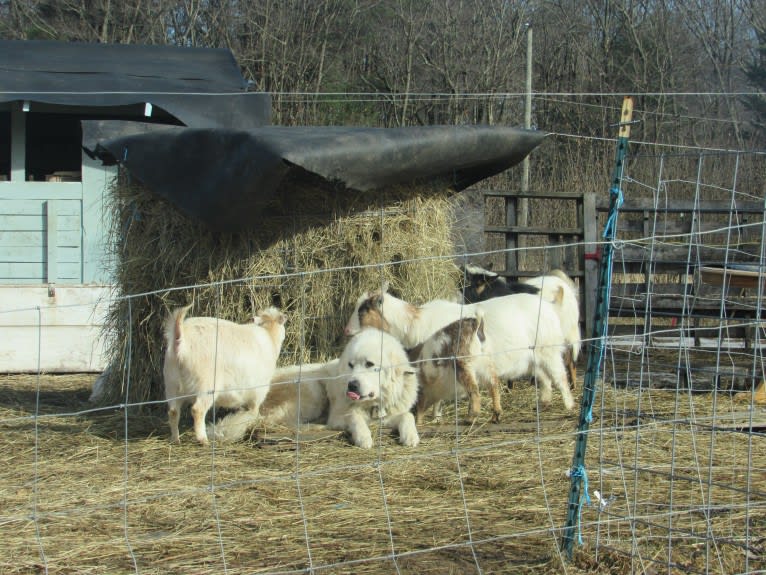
x=316, y=248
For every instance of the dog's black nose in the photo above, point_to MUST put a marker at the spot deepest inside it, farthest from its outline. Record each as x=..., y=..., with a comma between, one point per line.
x=353, y=385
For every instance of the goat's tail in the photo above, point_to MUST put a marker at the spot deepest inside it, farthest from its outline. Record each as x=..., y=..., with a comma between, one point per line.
x=234, y=426
x=174, y=329
x=558, y=295
x=565, y=278
x=480, y=325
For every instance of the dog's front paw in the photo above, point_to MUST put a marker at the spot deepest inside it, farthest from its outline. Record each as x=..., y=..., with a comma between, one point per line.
x=410, y=439
x=363, y=441
x=408, y=433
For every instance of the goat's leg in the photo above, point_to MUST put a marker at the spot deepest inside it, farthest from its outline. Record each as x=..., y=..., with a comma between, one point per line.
x=494, y=390
x=425, y=398
x=199, y=410
x=553, y=367
x=465, y=375
x=543, y=382
x=174, y=415
x=420, y=408
x=571, y=368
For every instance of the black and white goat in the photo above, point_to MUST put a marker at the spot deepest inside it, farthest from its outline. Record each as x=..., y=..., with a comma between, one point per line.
x=482, y=284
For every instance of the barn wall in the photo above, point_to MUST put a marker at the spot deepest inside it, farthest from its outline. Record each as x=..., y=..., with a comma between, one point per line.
x=52, y=331
x=54, y=271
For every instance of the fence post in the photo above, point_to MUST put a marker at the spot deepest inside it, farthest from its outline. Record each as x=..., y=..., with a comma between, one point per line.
x=590, y=258
x=579, y=478
x=511, y=239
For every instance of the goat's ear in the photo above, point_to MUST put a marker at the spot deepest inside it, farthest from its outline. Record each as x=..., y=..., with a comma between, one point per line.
x=489, y=266
x=384, y=287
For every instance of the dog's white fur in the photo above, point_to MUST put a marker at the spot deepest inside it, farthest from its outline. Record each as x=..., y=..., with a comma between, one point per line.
x=210, y=360
x=296, y=396
x=523, y=334
x=375, y=368
x=372, y=379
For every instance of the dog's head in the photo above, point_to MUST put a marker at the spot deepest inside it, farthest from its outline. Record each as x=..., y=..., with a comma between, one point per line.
x=373, y=366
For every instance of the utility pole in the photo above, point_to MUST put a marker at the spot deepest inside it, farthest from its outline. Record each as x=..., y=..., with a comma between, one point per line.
x=523, y=205
x=527, y=118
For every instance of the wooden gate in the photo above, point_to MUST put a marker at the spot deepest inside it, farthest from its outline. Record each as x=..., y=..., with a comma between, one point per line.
x=662, y=261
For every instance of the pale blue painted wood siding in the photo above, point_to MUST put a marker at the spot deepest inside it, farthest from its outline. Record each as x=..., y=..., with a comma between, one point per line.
x=40, y=239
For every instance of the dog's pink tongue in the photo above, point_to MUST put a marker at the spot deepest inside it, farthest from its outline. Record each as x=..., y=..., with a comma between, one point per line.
x=353, y=395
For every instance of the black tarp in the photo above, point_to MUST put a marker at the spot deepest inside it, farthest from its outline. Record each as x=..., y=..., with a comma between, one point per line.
x=228, y=163
x=201, y=87
x=225, y=177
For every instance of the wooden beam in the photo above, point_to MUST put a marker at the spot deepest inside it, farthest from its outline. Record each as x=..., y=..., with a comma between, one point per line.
x=51, y=242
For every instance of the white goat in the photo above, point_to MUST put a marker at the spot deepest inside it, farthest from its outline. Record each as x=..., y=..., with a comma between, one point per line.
x=523, y=334
x=568, y=312
x=210, y=360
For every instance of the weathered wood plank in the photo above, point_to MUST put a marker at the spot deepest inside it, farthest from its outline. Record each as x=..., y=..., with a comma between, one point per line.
x=662, y=228
x=37, y=222
x=24, y=272
x=66, y=328
x=678, y=253
x=71, y=305
x=51, y=240
x=659, y=305
x=537, y=195
x=707, y=206
x=533, y=230
x=37, y=254
x=40, y=190
x=31, y=238
x=31, y=207
x=61, y=349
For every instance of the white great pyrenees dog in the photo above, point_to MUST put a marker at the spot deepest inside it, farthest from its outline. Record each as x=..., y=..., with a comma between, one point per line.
x=372, y=380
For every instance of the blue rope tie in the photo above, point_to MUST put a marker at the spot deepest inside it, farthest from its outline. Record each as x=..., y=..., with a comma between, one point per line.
x=611, y=222
x=580, y=472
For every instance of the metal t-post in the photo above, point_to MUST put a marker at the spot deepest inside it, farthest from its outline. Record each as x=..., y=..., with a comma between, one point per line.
x=596, y=346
